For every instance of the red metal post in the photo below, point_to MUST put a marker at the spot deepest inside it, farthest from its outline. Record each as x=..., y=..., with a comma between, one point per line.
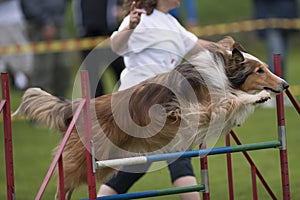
x=229, y=170
x=204, y=175
x=284, y=175
x=61, y=179
x=282, y=134
x=8, y=137
x=254, y=185
x=90, y=160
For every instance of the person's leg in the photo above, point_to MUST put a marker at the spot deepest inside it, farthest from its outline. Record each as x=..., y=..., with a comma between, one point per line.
x=123, y=180
x=182, y=174
x=106, y=190
x=187, y=181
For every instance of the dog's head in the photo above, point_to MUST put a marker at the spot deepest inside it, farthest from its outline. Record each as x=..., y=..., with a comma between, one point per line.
x=246, y=72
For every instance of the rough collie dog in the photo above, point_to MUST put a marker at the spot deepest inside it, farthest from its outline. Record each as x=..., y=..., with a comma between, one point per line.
x=200, y=99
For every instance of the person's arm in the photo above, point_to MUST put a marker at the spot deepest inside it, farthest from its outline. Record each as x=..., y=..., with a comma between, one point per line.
x=199, y=46
x=119, y=41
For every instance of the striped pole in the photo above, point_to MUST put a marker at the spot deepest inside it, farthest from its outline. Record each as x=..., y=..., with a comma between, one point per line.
x=5, y=107
x=204, y=177
x=152, y=193
x=282, y=134
x=192, y=153
x=204, y=173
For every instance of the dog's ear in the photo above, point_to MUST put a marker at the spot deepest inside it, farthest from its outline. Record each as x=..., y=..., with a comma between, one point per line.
x=237, y=56
x=227, y=43
x=239, y=47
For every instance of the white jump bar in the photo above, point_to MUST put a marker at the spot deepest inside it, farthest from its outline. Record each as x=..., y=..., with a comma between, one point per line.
x=121, y=162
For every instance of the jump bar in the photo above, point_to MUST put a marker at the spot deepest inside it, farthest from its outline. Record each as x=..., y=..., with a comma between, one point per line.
x=153, y=193
x=193, y=153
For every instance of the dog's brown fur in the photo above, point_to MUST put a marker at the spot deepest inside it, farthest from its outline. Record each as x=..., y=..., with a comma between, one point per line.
x=179, y=120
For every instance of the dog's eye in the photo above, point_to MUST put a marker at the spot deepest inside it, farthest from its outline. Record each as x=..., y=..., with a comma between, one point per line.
x=260, y=71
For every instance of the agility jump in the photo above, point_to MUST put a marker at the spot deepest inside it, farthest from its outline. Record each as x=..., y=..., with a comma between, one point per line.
x=92, y=165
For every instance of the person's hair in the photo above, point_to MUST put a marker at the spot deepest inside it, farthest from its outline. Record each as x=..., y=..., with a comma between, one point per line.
x=148, y=5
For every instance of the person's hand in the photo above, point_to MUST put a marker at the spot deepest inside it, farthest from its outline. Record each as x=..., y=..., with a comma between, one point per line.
x=135, y=15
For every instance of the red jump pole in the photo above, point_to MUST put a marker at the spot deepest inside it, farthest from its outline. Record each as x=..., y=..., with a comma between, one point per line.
x=229, y=170
x=204, y=175
x=61, y=180
x=282, y=134
x=254, y=184
x=90, y=160
x=8, y=137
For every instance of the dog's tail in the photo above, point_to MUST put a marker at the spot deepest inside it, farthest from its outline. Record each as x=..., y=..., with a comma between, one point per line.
x=42, y=107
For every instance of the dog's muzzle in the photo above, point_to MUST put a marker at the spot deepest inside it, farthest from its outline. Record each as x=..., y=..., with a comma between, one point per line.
x=285, y=85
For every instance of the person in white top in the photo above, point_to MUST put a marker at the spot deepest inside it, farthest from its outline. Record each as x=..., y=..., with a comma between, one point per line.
x=152, y=41
x=156, y=44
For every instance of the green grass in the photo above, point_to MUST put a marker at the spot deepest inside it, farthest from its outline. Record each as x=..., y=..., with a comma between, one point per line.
x=32, y=145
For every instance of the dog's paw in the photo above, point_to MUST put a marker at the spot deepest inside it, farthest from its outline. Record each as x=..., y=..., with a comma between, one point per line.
x=263, y=96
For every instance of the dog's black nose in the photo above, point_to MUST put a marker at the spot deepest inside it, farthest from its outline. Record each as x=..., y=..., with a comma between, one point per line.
x=285, y=85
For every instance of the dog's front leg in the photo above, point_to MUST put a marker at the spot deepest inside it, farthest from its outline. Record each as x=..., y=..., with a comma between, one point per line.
x=246, y=103
x=254, y=99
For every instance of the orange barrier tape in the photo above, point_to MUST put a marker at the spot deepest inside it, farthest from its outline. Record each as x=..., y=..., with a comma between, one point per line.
x=243, y=26
x=200, y=31
x=54, y=46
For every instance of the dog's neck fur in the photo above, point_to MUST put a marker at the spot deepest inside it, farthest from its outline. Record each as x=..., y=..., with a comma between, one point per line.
x=211, y=67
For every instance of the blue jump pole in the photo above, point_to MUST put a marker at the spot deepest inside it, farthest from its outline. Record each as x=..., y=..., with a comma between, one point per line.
x=153, y=193
x=193, y=153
